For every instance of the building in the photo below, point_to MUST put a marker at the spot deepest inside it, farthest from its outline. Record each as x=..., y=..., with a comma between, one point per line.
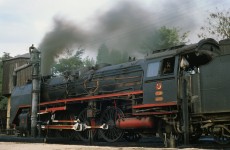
x=23, y=75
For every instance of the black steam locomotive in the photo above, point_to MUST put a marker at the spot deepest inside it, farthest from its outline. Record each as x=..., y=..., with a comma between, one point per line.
x=177, y=93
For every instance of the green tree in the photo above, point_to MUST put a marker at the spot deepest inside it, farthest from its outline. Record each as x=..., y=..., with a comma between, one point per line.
x=3, y=103
x=69, y=63
x=217, y=25
x=6, y=56
x=164, y=38
x=115, y=57
x=103, y=54
x=88, y=62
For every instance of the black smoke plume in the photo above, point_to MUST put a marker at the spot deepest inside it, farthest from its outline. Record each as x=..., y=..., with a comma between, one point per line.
x=124, y=27
x=64, y=35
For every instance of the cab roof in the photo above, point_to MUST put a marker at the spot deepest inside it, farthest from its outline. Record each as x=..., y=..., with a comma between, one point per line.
x=209, y=45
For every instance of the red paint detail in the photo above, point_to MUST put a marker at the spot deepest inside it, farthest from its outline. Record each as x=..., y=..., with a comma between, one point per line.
x=64, y=127
x=93, y=122
x=92, y=97
x=69, y=121
x=158, y=86
x=58, y=127
x=24, y=106
x=80, y=99
x=158, y=99
x=154, y=113
x=158, y=93
x=53, y=109
x=135, y=123
x=154, y=105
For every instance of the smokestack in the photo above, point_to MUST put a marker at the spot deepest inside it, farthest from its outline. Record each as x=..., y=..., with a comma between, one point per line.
x=35, y=62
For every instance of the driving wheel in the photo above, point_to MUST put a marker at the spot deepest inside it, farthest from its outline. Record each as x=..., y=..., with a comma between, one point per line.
x=109, y=117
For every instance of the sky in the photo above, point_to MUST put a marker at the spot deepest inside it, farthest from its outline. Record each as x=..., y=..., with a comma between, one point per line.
x=27, y=22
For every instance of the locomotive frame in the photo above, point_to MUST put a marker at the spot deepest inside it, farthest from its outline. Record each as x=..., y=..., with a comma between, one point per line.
x=172, y=92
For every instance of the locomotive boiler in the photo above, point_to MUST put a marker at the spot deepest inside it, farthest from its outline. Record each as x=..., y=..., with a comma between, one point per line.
x=177, y=93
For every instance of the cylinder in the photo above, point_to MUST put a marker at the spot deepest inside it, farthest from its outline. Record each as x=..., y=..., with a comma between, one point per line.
x=135, y=123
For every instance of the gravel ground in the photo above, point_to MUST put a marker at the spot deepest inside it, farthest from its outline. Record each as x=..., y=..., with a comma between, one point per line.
x=44, y=146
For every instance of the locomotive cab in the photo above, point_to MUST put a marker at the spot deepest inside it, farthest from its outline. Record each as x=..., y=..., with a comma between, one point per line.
x=165, y=71
x=172, y=88
x=160, y=80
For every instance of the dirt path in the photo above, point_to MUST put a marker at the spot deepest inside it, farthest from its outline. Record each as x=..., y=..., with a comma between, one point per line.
x=44, y=146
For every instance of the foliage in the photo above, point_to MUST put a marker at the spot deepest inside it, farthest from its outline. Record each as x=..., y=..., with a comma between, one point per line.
x=103, y=54
x=217, y=25
x=88, y=62
x=6, y=56
x=111, y=57
x=70, y=62
x=158, y=39
x=117, y=57
x=3, y=103
x=164, y=38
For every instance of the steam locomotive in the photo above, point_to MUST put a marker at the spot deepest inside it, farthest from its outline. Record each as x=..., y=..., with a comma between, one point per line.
x=179, y=94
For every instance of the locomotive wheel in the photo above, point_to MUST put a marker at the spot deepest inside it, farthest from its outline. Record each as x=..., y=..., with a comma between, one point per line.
x=132, y=137
x=85, y=135
x=109, y=116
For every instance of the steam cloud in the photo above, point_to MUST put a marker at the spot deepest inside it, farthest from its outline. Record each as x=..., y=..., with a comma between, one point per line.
x=124, y=27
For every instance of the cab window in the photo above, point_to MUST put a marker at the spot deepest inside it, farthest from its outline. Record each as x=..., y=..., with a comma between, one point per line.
x=168, y=66
x=153, y=69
